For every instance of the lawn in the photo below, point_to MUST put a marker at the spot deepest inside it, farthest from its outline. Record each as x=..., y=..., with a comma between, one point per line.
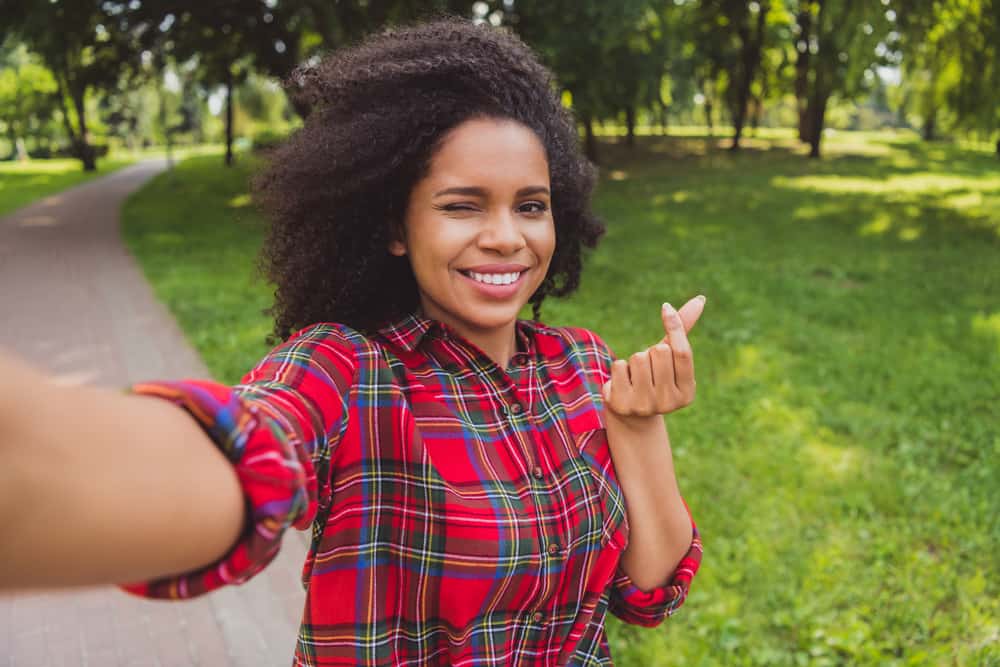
x=843, y=456
x=23, y=182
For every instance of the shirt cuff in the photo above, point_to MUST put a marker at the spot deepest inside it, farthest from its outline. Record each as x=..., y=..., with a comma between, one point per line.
x=278, y=485
x=649, y=608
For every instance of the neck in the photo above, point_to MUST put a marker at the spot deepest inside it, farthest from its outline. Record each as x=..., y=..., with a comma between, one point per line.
x=498, y=343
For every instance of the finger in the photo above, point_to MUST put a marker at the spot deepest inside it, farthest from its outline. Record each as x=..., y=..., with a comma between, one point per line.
x=661, y=359
x=620, y=392
x=643, y=396
x=673, y=325
x=684, y=374
x=691, y=311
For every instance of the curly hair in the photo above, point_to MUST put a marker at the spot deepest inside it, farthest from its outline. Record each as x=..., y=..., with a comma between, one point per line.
x=337, y=190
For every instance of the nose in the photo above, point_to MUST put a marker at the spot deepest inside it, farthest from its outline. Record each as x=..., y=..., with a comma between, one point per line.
x=502, y=234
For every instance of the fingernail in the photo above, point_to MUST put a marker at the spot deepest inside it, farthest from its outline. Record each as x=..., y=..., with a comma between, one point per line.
x=702, y=298
x=667, y=307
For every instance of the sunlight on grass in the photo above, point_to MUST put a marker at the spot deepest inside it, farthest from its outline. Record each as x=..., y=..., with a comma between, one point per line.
x=837, y=461
x=987, y=326
x=239, y=201
x=748, y=363
x=920, y=183
x=880, y=224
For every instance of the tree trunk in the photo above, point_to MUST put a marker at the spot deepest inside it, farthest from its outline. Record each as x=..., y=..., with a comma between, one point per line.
x=630, y=126
x=738, y=116
x=84, y=150
x=229, y=117
x=708, y=118
x=78, y=139
x=750, y=51
x=590, y=141
x=817, y=111
x=930, y=123
x=804, y=19
x=755, y=116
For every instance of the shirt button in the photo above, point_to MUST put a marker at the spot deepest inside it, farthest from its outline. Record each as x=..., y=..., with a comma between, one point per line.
x=537, y=472
x=516, y=409
x=538, y=617
x=553, y=549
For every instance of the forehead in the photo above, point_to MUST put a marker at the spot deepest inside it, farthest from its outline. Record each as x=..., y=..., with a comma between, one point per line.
x=490, y=151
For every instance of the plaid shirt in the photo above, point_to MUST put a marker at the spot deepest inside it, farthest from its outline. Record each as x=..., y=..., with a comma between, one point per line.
x=461, y=514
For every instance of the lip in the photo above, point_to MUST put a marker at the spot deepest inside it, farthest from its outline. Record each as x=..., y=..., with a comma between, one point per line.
x=496, y=291
x=497, y=268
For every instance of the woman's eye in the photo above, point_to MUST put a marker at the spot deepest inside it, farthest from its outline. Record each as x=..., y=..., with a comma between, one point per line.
x=457, y=207
x=533, y=207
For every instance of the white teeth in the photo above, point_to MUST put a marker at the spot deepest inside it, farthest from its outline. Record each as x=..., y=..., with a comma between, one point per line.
x=495, y=278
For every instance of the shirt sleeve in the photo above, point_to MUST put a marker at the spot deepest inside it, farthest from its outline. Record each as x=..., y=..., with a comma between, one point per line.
x=627, y=601
x=650, y=608
x=278, y=427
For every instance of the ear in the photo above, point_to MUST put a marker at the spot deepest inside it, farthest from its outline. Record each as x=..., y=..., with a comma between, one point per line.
x=397, y=248
x=397, y=240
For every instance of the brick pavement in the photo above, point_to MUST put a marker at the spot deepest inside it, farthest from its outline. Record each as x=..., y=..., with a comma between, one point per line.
x=73, y=301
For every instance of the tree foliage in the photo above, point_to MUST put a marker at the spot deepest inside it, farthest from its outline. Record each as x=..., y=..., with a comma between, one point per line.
x=629, y=61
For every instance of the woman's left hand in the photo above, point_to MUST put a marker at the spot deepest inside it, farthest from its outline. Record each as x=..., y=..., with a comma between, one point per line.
x=660, y=379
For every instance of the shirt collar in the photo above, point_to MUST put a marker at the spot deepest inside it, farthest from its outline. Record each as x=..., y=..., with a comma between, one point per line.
x=410, y=331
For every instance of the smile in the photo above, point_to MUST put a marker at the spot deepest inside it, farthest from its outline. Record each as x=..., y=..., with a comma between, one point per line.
x=495, y=285
x=493, y=278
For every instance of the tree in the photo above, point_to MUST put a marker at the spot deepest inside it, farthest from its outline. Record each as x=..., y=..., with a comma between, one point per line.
x=586, y=44
x=227, y=39
x=838, y=41
x=950, y=58
x=27, y=95
x=732, y=38
x=86, y=49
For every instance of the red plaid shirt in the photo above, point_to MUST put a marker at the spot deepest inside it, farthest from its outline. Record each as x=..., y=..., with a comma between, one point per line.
x=461, y=513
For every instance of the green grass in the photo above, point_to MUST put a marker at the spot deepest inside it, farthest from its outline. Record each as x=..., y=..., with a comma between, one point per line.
x=23, y=182
x=843, y=456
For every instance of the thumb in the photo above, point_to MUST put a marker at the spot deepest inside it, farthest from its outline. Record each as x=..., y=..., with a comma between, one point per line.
x=606, y=391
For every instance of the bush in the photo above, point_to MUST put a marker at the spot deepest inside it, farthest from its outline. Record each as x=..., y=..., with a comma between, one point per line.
x=266, y=139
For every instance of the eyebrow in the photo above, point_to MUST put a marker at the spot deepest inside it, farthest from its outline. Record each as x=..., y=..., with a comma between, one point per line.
x=474, y=191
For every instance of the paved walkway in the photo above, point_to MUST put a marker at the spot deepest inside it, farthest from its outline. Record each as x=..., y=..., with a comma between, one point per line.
x=72, y=300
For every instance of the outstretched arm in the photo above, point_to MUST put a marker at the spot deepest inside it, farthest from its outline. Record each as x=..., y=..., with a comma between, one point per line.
x=98, y=486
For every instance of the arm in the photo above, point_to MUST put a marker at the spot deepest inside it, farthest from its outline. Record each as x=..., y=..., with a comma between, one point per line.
x=664, y=550
x=99, y=486
x=659, y=525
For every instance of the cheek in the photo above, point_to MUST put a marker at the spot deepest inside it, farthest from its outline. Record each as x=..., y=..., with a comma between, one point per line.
x=544, y=243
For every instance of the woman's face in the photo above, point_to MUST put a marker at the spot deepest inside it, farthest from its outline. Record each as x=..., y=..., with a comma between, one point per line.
x=478, y=228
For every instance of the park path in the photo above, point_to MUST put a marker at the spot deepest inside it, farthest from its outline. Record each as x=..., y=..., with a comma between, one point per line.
x=74, y=301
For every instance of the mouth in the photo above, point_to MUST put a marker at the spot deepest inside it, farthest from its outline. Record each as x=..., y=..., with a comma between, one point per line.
x=502, y=279
x=495, y=284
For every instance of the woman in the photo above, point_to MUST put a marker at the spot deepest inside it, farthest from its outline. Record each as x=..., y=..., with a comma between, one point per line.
x=482, y=489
